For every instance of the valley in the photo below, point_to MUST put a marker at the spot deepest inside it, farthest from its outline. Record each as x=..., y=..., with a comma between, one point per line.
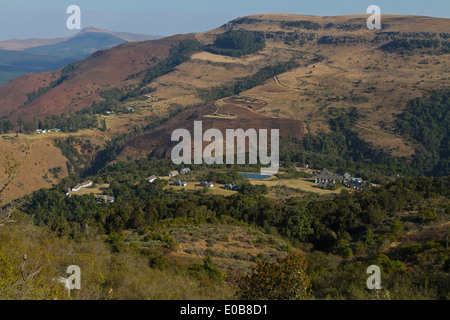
x=371, y=106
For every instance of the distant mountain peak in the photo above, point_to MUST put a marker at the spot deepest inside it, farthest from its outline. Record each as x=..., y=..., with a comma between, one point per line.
x=37, y=55
x=93, y=29
x=19, y=45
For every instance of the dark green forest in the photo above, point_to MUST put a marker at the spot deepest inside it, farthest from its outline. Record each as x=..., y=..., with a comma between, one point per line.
x=426, y=121
x=341, y=234
x=408, y=46
x=237, y=43
x=303, y=24
x=5, y=126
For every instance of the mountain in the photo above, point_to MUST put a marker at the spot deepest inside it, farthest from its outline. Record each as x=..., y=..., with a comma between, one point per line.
x=374, y=104
x=103, y=69
x=328, y=82
x=18, y=45
x=341, y=64
x=80, y=46
x=16, y=63
x=19, y=57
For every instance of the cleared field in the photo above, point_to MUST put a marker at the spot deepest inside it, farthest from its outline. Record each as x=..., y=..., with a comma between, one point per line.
x=96, y=190
x=194, y=186
x=206, y=56
x=307, y=185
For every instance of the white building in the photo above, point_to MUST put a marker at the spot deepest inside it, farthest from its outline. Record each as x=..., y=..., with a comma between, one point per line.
x=151, y=179
x=173, y=173
x=82, y=185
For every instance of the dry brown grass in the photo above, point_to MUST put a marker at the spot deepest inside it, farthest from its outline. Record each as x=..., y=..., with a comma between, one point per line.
x=210, y=57
x=306, y=185
x=36, y=157
x=304, y=92
x=37, y=154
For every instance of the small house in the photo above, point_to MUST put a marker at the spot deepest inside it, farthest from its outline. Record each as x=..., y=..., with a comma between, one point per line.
x=230, y=186
x=82, y=185
x=207, y=184
x=173, y=173
x=151, y=179
x=185, y=170
x=180, y=183
x=105, y=198
x=76, y=188
x=86, y=184
x=328, y=177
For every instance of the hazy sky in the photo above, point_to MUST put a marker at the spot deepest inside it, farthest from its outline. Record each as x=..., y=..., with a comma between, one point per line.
x=47, y=18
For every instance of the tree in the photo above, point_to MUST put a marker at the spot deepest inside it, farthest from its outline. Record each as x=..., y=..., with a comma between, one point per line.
x=285, y=279
x=426, y=215
x=5, y=126
x=103, y=123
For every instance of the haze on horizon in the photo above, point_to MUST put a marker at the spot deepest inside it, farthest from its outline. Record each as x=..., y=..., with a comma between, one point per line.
x=47, y=18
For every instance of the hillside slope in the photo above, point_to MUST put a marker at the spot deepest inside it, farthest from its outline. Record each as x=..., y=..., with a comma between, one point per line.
x=338, y=64
x=104, y=69
x=19, y=57
x=342, y=65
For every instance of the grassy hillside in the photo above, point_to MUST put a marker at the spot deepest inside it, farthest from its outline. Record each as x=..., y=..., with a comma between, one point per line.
x=129, y=273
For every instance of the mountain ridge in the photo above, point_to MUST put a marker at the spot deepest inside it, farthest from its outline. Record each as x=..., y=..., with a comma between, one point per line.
x=341, y=65
x=21, y=44
x=38, y=55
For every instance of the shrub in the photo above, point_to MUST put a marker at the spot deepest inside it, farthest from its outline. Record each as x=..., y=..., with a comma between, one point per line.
x=206, y=271
x=285, y=279
x=156, y=260
x=347, y=252
x=396, y=227
x=388, y=265
x=427, y=215
x=302, y=24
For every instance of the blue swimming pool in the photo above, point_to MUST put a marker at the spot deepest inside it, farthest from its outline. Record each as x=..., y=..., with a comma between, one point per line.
x=254, y=176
